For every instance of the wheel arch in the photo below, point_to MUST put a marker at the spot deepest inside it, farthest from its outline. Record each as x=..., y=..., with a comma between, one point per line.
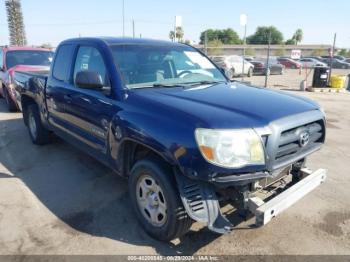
x=130, y=151
x=25, y=102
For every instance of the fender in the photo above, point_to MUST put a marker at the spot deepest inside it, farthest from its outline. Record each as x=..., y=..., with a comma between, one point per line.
x=123, y=129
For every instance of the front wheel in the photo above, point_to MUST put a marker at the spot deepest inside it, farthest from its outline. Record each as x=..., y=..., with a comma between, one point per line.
x=156, y=200
x=11, y=106
x=38, y=133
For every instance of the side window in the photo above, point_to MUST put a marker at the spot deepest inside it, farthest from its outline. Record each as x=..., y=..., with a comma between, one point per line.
x=1, y=58
x=89, y=58
x=61, y=68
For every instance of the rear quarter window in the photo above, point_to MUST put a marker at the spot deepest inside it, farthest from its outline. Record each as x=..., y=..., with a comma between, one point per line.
x=62, y=63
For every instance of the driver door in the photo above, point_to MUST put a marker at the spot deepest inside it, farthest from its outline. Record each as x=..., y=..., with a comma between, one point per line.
x=89, y=111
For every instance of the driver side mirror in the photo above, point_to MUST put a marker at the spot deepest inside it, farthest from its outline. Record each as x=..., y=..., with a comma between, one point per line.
x=89, y=80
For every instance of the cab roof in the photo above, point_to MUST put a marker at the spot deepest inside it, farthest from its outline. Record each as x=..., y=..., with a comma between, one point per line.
x=23, y=48
x=122, y=40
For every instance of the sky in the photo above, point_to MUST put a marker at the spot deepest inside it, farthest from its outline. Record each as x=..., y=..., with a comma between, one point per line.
x=51, y=21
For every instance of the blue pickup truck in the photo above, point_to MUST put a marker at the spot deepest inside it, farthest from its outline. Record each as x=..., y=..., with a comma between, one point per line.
x=165, y=117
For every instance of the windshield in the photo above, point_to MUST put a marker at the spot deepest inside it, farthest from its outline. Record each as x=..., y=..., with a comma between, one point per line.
x=155, y=65
x=28, y=57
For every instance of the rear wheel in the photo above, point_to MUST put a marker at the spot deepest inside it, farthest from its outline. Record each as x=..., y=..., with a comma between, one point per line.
x=156, y=200
x=230, y=73
x=11, y=106
x=250, y=72
x=38, y=133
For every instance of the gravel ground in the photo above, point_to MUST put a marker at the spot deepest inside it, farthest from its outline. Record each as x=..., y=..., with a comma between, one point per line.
x=57, y=200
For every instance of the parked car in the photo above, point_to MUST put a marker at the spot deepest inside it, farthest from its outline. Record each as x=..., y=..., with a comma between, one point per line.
x=274, y=67
x=289, y=63
x=336, y=63
x=166, y=118
x=14, y=59
x=339, y=57
x=311, y=63
x=249, y=58
x=318, y=58
x=233, y=65
x=347, y=60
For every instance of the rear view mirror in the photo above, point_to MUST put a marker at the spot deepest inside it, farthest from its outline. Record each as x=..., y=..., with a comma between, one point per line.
x=89, y=80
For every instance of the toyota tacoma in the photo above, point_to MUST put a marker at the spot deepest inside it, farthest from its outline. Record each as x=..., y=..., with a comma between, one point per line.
x=165, y=117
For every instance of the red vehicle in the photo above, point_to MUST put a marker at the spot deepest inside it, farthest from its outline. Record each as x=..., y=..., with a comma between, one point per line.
x=289, y=63
x=14, y=59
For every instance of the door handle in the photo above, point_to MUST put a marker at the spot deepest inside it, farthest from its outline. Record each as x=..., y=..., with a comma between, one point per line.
x=86, y=100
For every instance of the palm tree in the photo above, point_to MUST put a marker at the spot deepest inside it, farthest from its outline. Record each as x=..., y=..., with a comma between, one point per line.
x=171, y=35
x=179, y=34
x=15, y=22
x=298, y=36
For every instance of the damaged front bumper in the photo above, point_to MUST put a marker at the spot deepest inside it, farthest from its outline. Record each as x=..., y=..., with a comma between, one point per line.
x=201, y=203
x=265, y=211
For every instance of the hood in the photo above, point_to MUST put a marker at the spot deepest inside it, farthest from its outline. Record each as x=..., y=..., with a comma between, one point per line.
x=226, y=105
x=27, y=68
x=23, y=68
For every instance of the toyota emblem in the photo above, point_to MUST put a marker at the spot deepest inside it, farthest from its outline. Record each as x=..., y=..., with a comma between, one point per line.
x=304, y=139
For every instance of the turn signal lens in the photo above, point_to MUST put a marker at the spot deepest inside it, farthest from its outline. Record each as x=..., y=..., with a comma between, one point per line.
x=207, y=152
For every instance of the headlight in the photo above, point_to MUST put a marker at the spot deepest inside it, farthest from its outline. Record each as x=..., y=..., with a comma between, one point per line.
x=230, y=148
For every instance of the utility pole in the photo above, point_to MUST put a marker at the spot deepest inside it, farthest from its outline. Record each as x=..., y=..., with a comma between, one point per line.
x=133, y=28
x=206, y=42
x=175, y=29
x=123, y=11
x=268, y=60
x=243, y=21
x=331, y=62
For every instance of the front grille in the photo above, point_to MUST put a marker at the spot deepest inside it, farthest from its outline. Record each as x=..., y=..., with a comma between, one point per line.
x=296, y=141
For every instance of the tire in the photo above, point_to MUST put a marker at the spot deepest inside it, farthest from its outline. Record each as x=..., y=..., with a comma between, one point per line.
x=11, y=106
x=293, y=67
x=153, y=173
x=37, y=132
x=250, y=72
x=230, y=73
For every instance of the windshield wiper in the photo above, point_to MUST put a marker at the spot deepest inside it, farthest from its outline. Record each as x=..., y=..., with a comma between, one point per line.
x=167, y=85
x=158, y=85
x=205, y=83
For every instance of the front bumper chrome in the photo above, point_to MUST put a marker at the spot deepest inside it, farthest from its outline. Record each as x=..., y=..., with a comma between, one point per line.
x=265, y=211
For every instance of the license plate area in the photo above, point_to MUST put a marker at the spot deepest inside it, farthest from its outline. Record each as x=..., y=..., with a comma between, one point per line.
x=268, y=208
